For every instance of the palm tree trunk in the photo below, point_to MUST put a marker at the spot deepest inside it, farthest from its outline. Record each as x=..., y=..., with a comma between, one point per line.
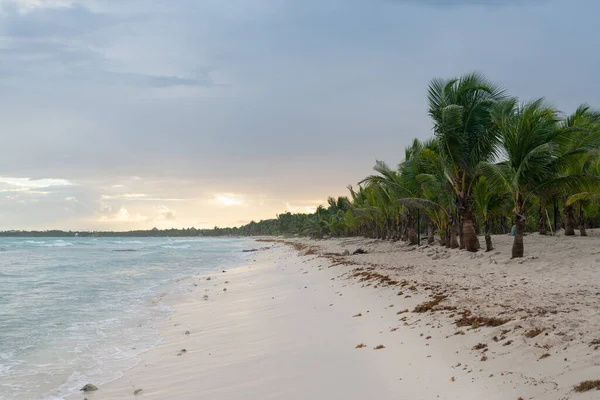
x=518, y=248
x=469, y=233
x=569, y=221
x=453, y=232
x=555, y=215
x=488, y=237
x=412, y=236
x=461, y=236
x=582, y=231
x=443, y=237
x=542, y=222
x=430, y=232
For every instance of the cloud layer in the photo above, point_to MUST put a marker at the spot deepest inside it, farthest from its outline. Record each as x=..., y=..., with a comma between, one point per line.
x=211, y=113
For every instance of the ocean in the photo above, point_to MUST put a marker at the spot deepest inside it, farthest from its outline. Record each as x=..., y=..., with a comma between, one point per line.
x=79, y=310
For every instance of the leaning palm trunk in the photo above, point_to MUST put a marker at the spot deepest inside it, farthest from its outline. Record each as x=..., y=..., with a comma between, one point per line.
x=517, y=248
x=569, y=221
x=488, y=237
x=582, y=231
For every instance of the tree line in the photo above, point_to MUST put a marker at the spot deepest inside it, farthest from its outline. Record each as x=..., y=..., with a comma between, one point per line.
x=495, y=164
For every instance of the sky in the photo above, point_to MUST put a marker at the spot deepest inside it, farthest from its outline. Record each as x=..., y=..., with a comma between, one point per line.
x=133, y=114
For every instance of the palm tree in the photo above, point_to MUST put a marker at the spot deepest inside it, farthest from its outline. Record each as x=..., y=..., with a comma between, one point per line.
x=488, y=203
x=535, y=149
x=584, y=128
x=460, y=109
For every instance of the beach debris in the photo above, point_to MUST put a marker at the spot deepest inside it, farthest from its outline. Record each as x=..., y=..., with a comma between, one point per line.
x=360, y=346
x=357, y=315
x=346, y=253
x=137, y=391
x=429, y=305
x=249, y=250
x=545, y=355
x=533, y=333
x=483, y=357
x=359, y=251
x=586, y=386
x=88, y=388
x=468, y=320
x=225, y=289
x=208, y=279
x=379, y=347
x=480, y=346
x=452, y=379
x=205, y=297
x=187, y=332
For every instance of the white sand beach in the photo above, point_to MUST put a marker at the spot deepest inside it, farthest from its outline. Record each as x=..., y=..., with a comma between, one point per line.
x=287, y=326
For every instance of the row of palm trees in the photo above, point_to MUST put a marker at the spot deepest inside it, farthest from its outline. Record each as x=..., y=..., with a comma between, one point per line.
x=492, y=159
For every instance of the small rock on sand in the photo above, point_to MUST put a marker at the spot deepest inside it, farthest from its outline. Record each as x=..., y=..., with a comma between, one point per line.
x=88, y=388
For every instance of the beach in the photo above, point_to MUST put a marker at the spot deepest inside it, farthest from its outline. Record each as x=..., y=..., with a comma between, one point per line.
x=305, y=319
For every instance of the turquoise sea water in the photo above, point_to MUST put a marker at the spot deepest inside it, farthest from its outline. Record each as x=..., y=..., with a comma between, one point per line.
x=78, y=310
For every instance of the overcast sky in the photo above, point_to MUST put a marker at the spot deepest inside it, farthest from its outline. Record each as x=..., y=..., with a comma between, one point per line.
x=128, y=114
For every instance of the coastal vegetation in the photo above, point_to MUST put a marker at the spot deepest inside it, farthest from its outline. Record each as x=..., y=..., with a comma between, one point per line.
x=494, y=164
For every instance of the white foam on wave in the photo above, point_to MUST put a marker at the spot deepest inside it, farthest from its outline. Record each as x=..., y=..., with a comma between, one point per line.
x=57, y=244
x=183, y=246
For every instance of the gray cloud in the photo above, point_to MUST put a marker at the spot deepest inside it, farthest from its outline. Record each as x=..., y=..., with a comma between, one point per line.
x=64, y=22
x=69, y=43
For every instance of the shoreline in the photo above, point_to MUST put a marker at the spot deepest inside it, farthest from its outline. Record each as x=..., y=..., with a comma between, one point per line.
x=288, y=324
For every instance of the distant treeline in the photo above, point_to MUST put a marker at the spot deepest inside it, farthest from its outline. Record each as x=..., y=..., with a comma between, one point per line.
x=281, y=225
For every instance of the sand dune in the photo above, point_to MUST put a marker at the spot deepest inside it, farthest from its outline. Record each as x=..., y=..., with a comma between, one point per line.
x=288, y=325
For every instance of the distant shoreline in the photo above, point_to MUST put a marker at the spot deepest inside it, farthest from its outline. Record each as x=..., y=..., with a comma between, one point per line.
x=65, y=234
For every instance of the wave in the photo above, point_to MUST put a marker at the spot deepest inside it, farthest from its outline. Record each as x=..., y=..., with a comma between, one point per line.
x=57, y=244
x=183, y=246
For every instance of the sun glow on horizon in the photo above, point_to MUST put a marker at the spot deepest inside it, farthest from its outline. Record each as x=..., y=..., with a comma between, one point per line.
x=229, y=199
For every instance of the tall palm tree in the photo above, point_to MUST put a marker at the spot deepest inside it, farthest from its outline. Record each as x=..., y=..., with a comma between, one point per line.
x=460, y=109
